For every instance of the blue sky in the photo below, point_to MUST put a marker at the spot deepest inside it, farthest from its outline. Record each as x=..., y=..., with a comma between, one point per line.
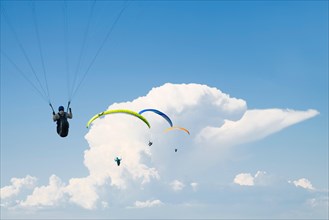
x=268, y=55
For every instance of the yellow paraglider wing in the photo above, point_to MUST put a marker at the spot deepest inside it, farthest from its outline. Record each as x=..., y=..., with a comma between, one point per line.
x=126, y=111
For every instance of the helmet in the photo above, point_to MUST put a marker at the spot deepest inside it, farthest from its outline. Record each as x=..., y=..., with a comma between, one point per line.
x=60, y=108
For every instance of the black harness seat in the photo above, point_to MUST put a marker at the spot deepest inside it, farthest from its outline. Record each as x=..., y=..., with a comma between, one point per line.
x=62, y=125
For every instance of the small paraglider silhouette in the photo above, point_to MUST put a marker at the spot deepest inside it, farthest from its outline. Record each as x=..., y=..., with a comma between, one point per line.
x=175, y=149
x=118, y=160
x=150, y=143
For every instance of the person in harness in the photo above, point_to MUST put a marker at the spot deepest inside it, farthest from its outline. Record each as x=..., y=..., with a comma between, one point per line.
x=118, y=160
x=61, y=119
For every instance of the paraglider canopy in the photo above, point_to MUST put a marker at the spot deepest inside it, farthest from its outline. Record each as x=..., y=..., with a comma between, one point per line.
x=159, y=113
x=179, y=128
x=125, y=111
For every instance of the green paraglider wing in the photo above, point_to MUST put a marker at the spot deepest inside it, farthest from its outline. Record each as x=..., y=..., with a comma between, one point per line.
x=126, y=111
x=179, y=128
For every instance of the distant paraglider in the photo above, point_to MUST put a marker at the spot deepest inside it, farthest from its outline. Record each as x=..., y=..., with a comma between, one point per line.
x=124, y=111
x=118, y=160
x=163, y=115
x=177, y=128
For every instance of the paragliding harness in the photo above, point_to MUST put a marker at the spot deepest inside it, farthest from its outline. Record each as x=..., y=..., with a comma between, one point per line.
x=118, y=160
x=62, y=125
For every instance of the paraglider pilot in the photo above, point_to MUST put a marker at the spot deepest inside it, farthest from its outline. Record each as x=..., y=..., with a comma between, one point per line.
x=118, y=160
x=61, y=119
x=150, y=143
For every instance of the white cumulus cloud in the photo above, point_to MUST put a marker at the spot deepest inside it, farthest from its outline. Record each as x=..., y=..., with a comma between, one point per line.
x=17, y=184
x=254, y=125
x=148, y=203
x=244, y=179
x=215, y=120
x=247, y=179
x=83, y=192
x=303, y=183
x=177, y=185
x=45, y=195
